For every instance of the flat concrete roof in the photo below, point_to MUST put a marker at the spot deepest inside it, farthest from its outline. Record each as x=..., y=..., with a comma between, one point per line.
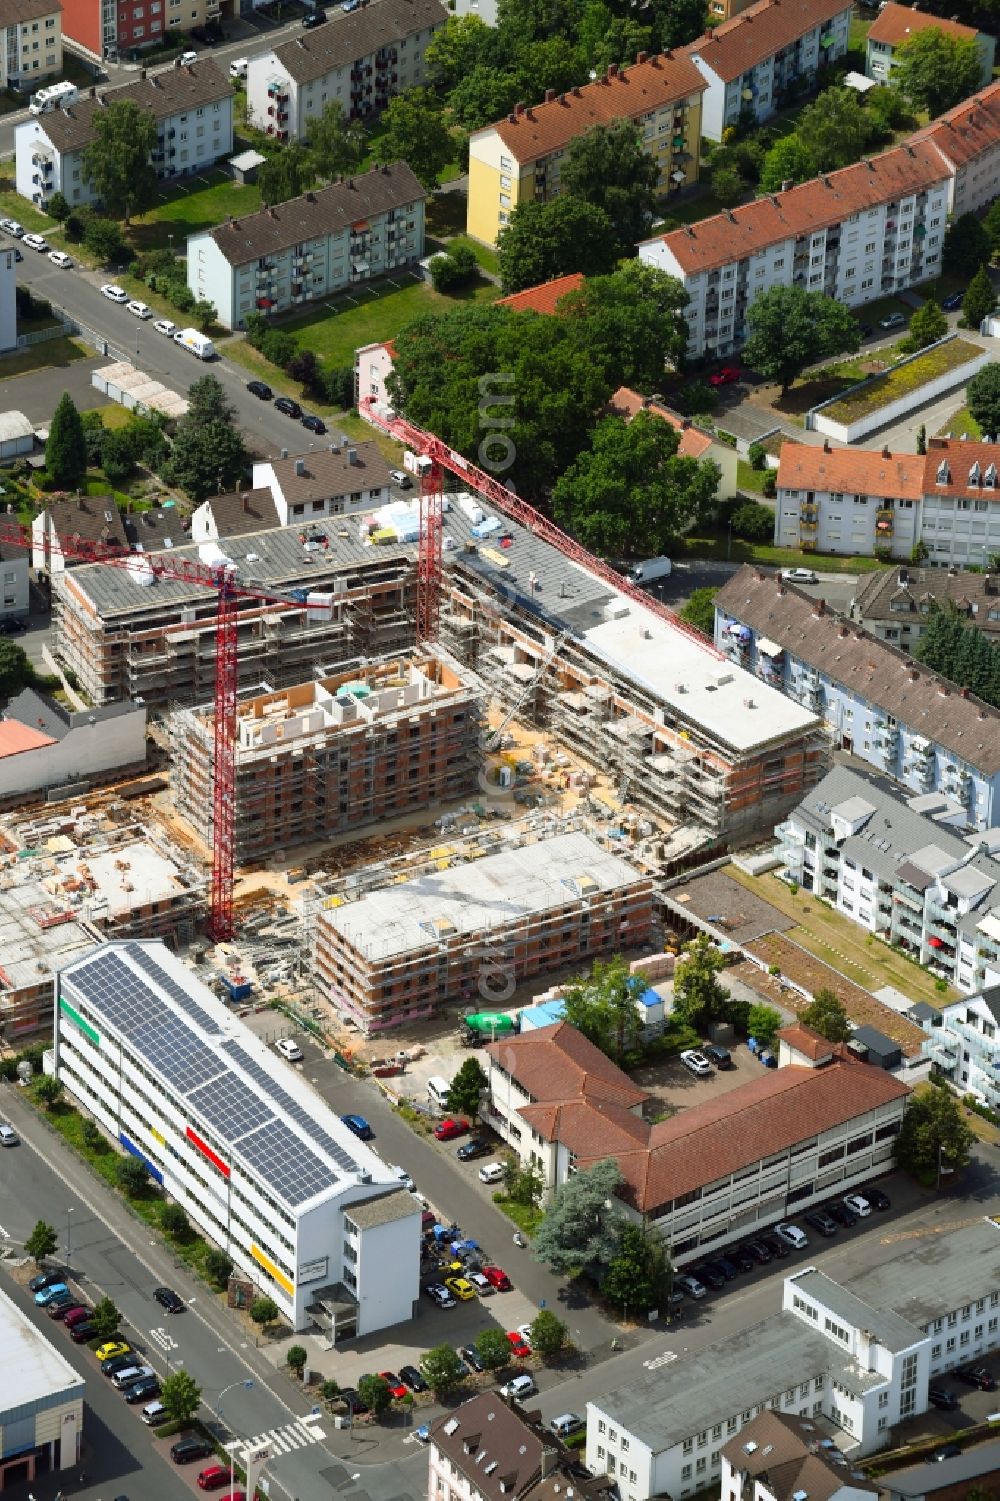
x=29, y=951
x=942, y=1474
x=132, y=875
x=892, y=1331
x=937, y=1275
x=38, y=1372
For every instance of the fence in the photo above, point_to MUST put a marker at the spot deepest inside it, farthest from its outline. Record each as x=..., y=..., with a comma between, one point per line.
x=43, y=335
x=72, y=325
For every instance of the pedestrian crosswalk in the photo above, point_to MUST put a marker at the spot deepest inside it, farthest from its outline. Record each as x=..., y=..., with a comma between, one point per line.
x=282, y=1440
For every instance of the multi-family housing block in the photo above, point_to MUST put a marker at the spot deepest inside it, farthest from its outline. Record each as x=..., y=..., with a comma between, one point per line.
x=32, y=42
x=896, y=24
x=901, y=868
x=518, y=159
x=287, y=255
x=193, y=109
x=777, y=1455
x=962, y=1039
x=896, y=604
x=868, y=501
x=330, y=481
x=856, y=234
x=751, y=62
x=878, y=702
x=106, y=29
x=968, y=140
x=359, y=60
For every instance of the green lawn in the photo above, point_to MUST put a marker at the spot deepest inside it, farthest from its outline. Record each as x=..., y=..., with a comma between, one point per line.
x=202, y=203
x=720, y=547
x=749, y=478
x=53, y=354
x=486, y=256
x=960, y=422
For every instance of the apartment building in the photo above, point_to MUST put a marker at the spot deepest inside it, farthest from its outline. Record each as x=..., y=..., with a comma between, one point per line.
x=778, y=1455
x=395, y=954
x=107, y=29
x=896, y=24
x=33, y=49
x=282, y=257
x=901, y=870
x=863, y=232
x=968, y=139
x=359, y=60
x=342, y=477
x=193, y=109
x=895, y=605
x=518, y=159
x=267, y=1171
x=879, y=704
x=764, y=56
x=14, y=597
x=44, y=746
x=234, y=515
x=86, y=519
x=962, y=1041
x=486, y=1449
x=334, y=754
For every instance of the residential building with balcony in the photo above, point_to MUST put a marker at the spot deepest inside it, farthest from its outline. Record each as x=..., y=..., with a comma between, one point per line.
x=968, y=139
x=901, y=869
x=896, y=24
x=106, y=29
x=770, y=52
x=861, y=233
x=878, y=703
x=31, y=48
x=896, y=604
x=286, y=256
x=518, y=159
x=358, y=60
x=963, y=1039
x=193, y=109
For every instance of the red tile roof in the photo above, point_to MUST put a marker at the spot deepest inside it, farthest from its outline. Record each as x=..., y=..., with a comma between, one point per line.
x=557, y=1064
x=960, y=458
x=694, y=443
x=897, y=23
x=858, y=471
x=811, y=206
x=804, y=1040
x=759, y=32
x=627, y=93
x=543, y=299
x=15, y=738
x=968, y=130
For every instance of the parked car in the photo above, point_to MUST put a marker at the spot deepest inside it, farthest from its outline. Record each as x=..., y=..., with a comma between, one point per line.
x=81, y=1333
x=260, y=389
x=761, y=1253
x=842, y=1213
x=566, y=1425
x=118, y=1363
x=114, y=293
x=412, y=1377
x=696, y=1063
x=359, y=1126
x=712, y=1274
x=518, y=1344
x=8, y=1136
x=187, y=1450
x=61, y=259
x=520, y=1387
x=690, y=1286
x=61, y=1304
x=727, y=376
x=42, y=1280
x=352, y=1400
x=471, y=1356
x=439, y=1295
x=483, y=1285
x=46, y=1294
x=497, y=1278
x=422, y=1434
x=791, y=1235
x=315, y=19
x=449, y=1128
x=821, y=1221
x=78, y=1314
x=164, y=326
x=168, y=1299
x=139, y=309
x=393, y=1382
x=491, y=1172
x=136, y=1371
x=290, y=1050
x=893, y=320
x=213, y=1478
x=721, y=1057
x=877, y=1199
x=941, y=1397
x=476, y=1146
x=154, y=1413
x=288, y=406
x=461, y=1288
x=728, y=1266
x=977, y=1375
x=12, y=227
x=743, y=1257
x=954, y=301
x=775, y=1245
x=799, y=576
x=112, y=1352
x=314, y=424
x=858, y=1205
x=947, y=1451
x=35, y=242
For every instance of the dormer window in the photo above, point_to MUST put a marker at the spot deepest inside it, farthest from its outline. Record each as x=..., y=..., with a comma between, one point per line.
x=944, y=473
x=975, y=475
x=990, y=477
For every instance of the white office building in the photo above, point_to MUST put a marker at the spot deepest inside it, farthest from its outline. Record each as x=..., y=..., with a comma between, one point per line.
x=259, y=1164
x=41, y=1402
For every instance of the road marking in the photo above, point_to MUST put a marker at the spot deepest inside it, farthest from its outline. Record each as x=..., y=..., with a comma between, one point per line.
x=163, y=1339
x=654, y=1365
x=283, y=1440
x=4, y=1233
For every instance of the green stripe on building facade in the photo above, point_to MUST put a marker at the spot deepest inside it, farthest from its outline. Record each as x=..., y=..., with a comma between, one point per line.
x=74, y=1016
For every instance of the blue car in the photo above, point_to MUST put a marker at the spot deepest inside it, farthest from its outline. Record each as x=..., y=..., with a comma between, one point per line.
x=359, y=1126
x=48, y=1293
x=955, y=300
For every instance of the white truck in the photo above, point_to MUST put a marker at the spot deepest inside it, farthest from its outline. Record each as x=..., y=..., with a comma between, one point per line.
x=195, y=343
x=651, y=569
x=56, y=96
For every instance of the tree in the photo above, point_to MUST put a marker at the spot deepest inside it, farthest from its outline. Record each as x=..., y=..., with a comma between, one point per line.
x=208, y=454
x=677, y=22
x=967, y=245
x=118, y=162
x=203, y=313
x=455, y=268
x=927, y=325
x=174, y=1221
x=700, y=610
x=630, y=492
x=609, y=166
x=41, y=1242
x=307, y=370
x=962, y=653
x=639, y=1273
x=264, y=1311
x=16, y=672
x=413, y=130
x=66, y=446
x=132, y=1176
x=579, y=1230
x=467, y=1088
x=549, y=1335
x=991, y=223
x=48, y=1089
x=634, y=322
x=180, y=1395
x=338, y=386
x=827, y=1015
x=336, y=144
x=546, y=240
x=104, y=239
x=442, y=1370
x=834, y=129
x=699, y=995
x=934, y=1135
x=493, y=1349
x=982, y=397
x=980, y=298
x=296, y=1357
x=286, y=175
x=753, y=521
x=218, y=1267
x=763, y=1022
x=728, y=186
x=523, y=1183
x=105, y=1318
x=603, y=1007
x=789, y=160
x=791, y=328
x=58, y=206
x=935, y=71
x=461, y=44
x=374, y=1392
x=330, y=1390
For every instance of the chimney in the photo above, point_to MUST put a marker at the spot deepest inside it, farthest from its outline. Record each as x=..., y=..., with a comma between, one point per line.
x=155, y=82
x=562, y=98
x=142, y=75
x=576, y=91
x=964, y=692
x=788, y=185
x=550, y=1459
x=519, y=108
x=550, y=95
x=310, y=197
x=641, y=57
x=612, y=71
x=350, y=184
x=273, y=212
x=93, y=93
x=885, y=452
x=300, y=466
x=512, y=119
x=826, y=446
x=352, y=455
x=843, y=632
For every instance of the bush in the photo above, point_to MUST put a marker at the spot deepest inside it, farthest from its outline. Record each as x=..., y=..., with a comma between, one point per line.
x=174, y=1221
x=296, y=1358
x=770, y=484
x=92, y=1136
x=696, y=396
x=278, y=347
x=104, y=238
x=757, y=455
x=754, y=522
x=339, y=386
x=218, y=1267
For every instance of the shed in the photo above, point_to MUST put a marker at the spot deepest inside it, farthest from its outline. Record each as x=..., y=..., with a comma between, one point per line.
x=246, y=165
x=17, y=436
x=878, y=1049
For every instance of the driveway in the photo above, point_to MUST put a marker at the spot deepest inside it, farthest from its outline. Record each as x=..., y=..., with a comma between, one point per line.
x=36, y=392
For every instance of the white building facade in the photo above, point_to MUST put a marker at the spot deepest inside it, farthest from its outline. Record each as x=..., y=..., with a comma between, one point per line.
x=963, y=1042
x=32, y=47
x=41, y=1403
x=270, y=1174
x=330, y=482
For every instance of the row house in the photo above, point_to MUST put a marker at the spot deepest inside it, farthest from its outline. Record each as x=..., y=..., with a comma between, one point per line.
x=900, y=869
x=766, y=56
x=895, y=25
x=330, y=481
x=858, y=234
x=32, y=42
x=877, y=503
x=283, y=257
x=193, y=109
x=359, y=60
x=895, y=604
x=518, y=159
x=878, y=703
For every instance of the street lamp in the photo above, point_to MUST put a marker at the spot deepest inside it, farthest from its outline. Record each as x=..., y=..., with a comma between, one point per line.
x=246, y=1385
x=69, y=1232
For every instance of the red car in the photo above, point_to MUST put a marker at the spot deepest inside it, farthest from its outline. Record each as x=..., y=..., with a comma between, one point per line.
x=213, y=1478
x=497, y=1278
x=724, y=377
x=447, y=1130
x=519, y=1344
x=394, y=1384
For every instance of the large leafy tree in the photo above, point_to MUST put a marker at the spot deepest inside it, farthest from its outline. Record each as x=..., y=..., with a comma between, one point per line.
x=982, y=397
x=414, y=131
x=336, y=144
x=927, y=325
x=16, y=672
x=208, y=455
x=603, y=1007
x=461, y=44
x=791, y=328
x=66, y=445
x=699, y=995
x=700, y=610
x=105, y=1318
x=935, y=1135
x=629, y=491
x=41, y=1242
x=549, y=1335
x=789, y=160
x=935, y=71
x=764, y=1022
x=180, y=1395
x=546, y=240
x=374, y=1390
x=493, y=1349
x=967, y=246
x=118, y=162
x=639, y=1274
x=827, y=1015
x=467, y=1088
x=579, y=1230
x=285, y=175
x=442, y=1369
x=834, y=129
x=609, y=166
x=635, y=322
x=677, y=22
x=960, y=652
x=980, y=299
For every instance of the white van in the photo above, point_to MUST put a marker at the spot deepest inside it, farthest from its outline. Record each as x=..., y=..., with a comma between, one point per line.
x=239, y=67
x=520, y=1388
x=653, y=568
x=56, y=96
x=154, y=1413
x=196, y=343
x=437, y=1092
x=131, y=1373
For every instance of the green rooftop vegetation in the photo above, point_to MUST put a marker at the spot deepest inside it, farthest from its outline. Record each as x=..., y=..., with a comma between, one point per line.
x=901, y=380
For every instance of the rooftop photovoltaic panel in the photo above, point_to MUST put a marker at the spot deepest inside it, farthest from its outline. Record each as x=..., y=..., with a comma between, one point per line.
x=172, y=1048
x=145, y=961
x=285, y=1162
x=291, y=1108
x=230, y=1111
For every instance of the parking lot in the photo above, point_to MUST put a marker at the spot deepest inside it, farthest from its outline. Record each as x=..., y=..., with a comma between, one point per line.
x=674, y=1088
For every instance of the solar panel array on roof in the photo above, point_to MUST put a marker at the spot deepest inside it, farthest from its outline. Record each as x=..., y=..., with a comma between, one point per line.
x=291, y=1108
x=230, y=1112
x=283, y=1161
x=171, y=1048
x=144, y=959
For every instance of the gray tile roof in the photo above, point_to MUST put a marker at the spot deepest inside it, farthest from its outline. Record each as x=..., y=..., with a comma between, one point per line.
x=922, y=700
x=152, y=530
x=39, y=712
x=780, y=1449
x=243, y=511
x=893, y=1332
x=345, y=39
x=937, y=1275
x=315, y=215
x=941, y=1475
x=169, y=92
x=327, y=474
x=13, y=11
x=91, y=518
x=910, y=585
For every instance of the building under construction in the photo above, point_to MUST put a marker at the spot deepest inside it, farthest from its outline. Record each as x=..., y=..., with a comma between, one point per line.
x=320, y=758
x=396, y=953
